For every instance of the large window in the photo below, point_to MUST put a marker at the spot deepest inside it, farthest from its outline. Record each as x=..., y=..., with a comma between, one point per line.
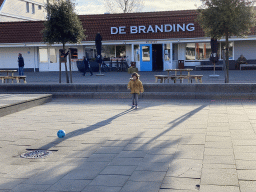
x=43, y=56
x=108, y=51
x=53, y=56
x=73, y=52
x=145, y=53
x=230, y=51
x=120, y=51
x=202, y=51
x=167, y=52
x=136, y=53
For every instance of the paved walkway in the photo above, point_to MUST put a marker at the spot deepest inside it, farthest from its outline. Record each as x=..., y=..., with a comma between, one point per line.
x=165, y=145
x=244, y=76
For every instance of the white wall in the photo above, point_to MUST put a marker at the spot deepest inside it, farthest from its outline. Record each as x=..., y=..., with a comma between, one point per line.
x=17, y=9
x=9, y=57
x=55, y=66
x=247, y=48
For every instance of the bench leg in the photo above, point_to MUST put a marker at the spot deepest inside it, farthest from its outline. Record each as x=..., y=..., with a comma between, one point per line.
x=196, y=79
x=25, y=80
x=201, y=80
x=156, y=79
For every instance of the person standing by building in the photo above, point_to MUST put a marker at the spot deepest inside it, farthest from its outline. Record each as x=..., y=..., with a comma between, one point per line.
x=86, y=66
x=136, y=87
x=21, y=64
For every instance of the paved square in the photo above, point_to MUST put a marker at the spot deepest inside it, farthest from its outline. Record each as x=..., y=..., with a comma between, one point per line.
x=165, y=145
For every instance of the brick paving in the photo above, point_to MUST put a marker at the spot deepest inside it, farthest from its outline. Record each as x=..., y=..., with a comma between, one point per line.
x=165, y=145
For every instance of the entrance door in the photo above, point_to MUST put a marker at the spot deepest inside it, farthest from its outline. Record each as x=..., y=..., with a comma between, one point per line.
x=146, y=57
x=157, y=57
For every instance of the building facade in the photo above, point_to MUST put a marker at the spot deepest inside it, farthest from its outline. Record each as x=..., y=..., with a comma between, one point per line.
x=155, y=41
x=22, y=10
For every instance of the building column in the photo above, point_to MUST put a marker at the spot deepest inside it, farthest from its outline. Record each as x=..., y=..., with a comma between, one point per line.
x=132, y=55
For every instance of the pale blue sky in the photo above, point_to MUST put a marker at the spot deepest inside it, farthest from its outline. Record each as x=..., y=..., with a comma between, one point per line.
x=84, y=7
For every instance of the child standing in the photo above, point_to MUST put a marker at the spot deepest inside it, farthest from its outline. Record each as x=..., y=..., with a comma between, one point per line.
x=136, y=88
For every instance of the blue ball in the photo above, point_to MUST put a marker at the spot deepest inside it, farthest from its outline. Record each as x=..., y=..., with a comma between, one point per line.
x=61, y=133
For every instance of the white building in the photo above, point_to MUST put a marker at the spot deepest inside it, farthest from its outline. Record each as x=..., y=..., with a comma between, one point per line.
x=155, y=41
x=22, y=10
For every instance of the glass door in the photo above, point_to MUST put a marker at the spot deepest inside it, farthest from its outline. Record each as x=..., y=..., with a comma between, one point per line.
x=146, y=57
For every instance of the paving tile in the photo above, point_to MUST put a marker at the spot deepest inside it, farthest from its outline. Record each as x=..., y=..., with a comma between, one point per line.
x=132, y=186
x=249, y=175
x=185, y=168
x=158, y=158
x=69, y=185
x=209, y=159
x=180, y=183
x=216, y=152
x=216, y=188
x=147, y=176
x=101, y=157
x=110, y=180
x=109, y=150
x=6, y=183
x=243, y=164
x=245, y=156
x=94, y=188
x=125, y=161
x=219, y=177
x=212, y=138
x=246, y=186
x=219, y=145
x=118, y=170
x=132, y=154
x=244, y=142
x=219, y=166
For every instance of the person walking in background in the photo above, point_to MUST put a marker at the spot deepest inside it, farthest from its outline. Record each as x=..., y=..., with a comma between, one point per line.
x=86, y=66
x=21, y=64
x=136, y=87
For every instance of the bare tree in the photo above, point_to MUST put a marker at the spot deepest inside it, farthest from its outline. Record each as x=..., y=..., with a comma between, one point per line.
x=124, y=6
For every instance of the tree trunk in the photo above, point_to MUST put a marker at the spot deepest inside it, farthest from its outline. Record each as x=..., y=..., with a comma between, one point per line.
x=66, y=69
x=227, y=60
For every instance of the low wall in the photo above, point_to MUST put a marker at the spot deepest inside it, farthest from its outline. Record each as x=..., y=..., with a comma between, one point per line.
x=152, y=91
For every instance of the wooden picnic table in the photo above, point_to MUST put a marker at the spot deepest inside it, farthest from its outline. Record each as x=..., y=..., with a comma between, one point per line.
x=11, y=76
x=8, y=71
x=178, y=70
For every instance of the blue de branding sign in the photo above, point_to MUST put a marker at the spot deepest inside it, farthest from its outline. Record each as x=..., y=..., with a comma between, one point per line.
x=153, y=29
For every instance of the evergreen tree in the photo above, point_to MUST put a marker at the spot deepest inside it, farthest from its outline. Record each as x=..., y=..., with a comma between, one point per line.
x=63, y=26
x=225, y=18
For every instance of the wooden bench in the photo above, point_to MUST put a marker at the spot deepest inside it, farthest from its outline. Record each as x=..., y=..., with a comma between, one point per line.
x=17, y=78
x=161, y=77
x=208, y=66
x=247, y=65
x=196, y=78
x=188, y=77
x=178, y=77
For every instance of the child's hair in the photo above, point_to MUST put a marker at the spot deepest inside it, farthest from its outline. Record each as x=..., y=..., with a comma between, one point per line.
x=136, y=75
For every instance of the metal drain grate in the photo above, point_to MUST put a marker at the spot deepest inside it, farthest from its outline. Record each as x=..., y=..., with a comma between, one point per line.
x=36, y=154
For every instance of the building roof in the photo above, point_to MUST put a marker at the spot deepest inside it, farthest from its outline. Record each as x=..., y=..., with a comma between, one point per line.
x=21, y=32
x=30, y=31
